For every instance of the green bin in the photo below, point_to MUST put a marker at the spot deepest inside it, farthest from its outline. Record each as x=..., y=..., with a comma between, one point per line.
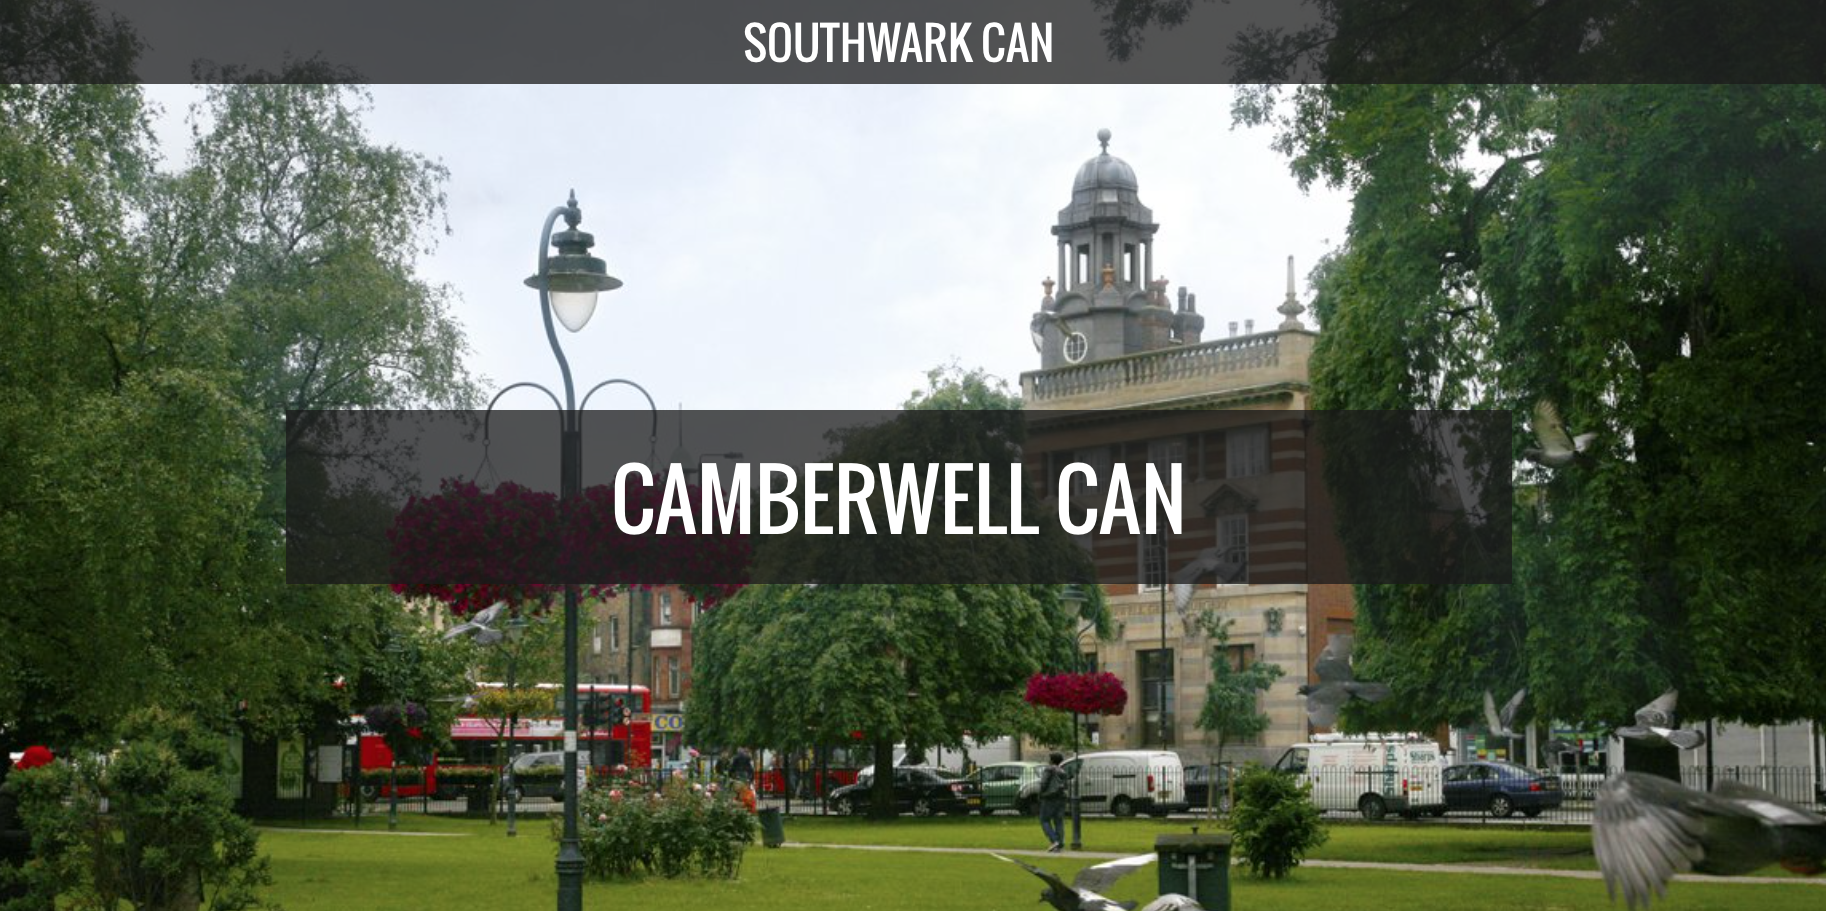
x=773, y=827
x=1196, y=866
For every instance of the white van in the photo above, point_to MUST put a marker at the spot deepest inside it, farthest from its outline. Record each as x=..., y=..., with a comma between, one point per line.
x=1124, y=782
x=1370, y=775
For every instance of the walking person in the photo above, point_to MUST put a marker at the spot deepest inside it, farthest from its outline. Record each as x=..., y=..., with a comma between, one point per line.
x=1054, y=783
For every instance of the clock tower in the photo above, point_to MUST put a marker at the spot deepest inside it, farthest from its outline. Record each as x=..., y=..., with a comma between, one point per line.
x=1107, y=305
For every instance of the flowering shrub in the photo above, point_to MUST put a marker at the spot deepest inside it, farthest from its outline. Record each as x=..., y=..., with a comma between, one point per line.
x=1085, y=694
x=500, y=539
x=681, y=829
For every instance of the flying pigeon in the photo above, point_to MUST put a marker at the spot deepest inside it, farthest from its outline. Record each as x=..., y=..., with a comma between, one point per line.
x=482, y=624
x=1645, y=829
x=1209, y=560
x=1501, y=723
x=1336, y=684
x=1558, y=447
x=1656, y=723
x=1082, y=894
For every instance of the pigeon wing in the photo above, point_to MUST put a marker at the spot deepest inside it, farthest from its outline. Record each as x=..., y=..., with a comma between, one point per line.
x=1101, y=876
x=1660, y=713
x=1368, y=692
x=1550, y=431
x=1644, y=831
x=1061, y=895
x=1491, y=720
x=1321, y=712
x=1172, y=901
x=1507, y=715
x=1686, y=738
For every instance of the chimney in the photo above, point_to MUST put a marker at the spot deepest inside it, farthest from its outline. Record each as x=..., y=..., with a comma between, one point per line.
x=1248, y=327
x=1233, y=328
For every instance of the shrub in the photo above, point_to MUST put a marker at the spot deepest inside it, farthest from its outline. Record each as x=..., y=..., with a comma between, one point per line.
x=681, y=829
x=1274, y=822
x=166, y=838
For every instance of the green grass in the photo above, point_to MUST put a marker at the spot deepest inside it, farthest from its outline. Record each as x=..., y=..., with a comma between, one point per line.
x=320, y=870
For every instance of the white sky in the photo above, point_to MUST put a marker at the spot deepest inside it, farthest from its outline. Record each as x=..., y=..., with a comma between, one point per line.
x=822, y=246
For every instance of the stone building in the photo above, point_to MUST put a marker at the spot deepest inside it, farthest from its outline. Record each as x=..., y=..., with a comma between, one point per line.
x=1130, y=375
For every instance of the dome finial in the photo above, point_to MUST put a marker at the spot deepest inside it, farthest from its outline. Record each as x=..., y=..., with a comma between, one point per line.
x=1103, y=136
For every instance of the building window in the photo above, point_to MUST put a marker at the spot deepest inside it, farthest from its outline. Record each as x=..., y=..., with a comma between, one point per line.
x=1156, y=697
x=614, y=634
x=596, y=639
x=1233, y=549
x=665, y=608
x=1246, y=452
x=672, y=681
x=1151, y=556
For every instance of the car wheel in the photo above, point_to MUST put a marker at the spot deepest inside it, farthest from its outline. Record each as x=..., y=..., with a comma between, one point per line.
x=843, y=807
x=1122, y=806
x=922, y=806
x=1438, y=812
x=1532, y=812
x=1372, y=807
x=986, y=811
x=1501, y=806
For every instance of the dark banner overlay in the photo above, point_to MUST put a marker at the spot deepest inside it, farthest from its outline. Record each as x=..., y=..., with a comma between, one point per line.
x=942, y=41
x=938, y=497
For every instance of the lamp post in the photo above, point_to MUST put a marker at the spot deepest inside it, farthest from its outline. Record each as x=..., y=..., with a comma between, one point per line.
x=568, y=284
x=1073, y=595
x=515, y=627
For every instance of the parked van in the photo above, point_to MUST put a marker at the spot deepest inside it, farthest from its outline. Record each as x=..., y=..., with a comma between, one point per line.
x=1123, y=783
x=1370, y=775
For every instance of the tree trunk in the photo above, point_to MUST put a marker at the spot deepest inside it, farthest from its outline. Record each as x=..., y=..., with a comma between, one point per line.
x=881, y=792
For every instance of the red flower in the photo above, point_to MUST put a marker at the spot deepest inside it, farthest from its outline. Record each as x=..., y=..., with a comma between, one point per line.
x=1085, y=694
x=33, y=757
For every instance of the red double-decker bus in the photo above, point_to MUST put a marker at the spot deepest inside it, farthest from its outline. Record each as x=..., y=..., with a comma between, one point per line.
x=606, y=744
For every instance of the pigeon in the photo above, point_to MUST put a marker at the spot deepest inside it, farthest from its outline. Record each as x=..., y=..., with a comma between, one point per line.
x=1655, y=723
x=482, y=625
x=1082, y=894
x=1336, y=684
x=1645, y=829
x=1209, y=560
x=1558, y=447
x=1501, y=723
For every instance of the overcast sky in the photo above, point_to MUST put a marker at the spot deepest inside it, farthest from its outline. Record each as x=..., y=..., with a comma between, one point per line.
x=822, y=246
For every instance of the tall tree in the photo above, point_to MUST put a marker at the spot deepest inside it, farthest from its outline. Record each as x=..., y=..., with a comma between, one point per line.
x=1646, y=259
x=1232, y=709
x=49, y=41
x=159, y=324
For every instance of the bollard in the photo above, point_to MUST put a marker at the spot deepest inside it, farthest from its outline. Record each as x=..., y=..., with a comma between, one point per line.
x=773, y=827
x=1196, y=866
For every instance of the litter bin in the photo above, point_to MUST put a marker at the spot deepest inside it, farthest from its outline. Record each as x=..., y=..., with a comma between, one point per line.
x=1196, y=866
x=773, y=827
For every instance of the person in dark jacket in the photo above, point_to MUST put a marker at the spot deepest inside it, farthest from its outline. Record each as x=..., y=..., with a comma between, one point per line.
x=1055, y=783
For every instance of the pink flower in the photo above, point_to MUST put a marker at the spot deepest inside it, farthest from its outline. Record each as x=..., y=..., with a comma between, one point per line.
x=614, y=794
x=602, y=817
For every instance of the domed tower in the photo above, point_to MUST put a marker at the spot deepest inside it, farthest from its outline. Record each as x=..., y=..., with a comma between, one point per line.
x=1108, y=306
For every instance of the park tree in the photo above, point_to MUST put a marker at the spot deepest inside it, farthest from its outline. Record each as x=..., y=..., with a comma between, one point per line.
x=51, y=41
x=160, y=324
x=1645, y=259
x=1439, y=41
x=792, y=666
x=1232, y=708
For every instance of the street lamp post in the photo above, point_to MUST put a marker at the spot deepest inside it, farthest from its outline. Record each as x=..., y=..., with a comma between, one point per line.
x=1075, y=596
x=515, y=627
x=568, y=284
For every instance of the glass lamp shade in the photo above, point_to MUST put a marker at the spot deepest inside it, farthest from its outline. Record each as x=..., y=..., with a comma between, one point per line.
x=573, y=308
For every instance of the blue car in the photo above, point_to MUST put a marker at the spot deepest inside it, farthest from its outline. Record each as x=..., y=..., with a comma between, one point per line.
x=1500, y=788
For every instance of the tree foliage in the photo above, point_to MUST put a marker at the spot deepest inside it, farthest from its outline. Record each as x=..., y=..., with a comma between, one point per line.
x=50, y=41
x=1232, y=709
x=792, y=666
x=1646, y=258
x=159, y=324
x=1275, y=822
x=1511, y=41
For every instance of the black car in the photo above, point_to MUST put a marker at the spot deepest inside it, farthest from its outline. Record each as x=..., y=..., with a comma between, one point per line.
x=1201, y=780
x=1500, y=788
x=917, y=790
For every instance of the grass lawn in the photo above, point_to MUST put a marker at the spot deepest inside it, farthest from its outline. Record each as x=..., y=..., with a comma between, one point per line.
x=474, y=865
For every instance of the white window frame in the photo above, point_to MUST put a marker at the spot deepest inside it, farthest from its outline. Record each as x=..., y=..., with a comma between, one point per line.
x=1233, y=531
x=665, y=608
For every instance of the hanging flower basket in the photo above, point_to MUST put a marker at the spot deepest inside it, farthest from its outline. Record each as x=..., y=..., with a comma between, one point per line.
x=1085, y=694
x=401, y=725
x=497, y=540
